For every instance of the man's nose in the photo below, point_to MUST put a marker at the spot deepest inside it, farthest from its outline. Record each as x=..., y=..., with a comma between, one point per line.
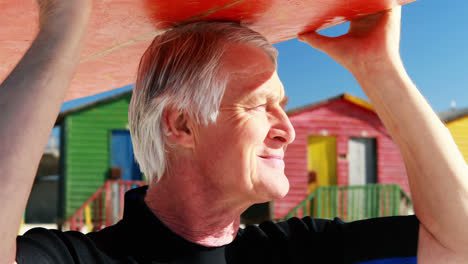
x=282, y=130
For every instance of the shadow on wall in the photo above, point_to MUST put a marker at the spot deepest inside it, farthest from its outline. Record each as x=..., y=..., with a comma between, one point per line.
x=42, y=203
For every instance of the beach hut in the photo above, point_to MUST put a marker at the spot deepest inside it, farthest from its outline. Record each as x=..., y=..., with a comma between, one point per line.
x=95, y=146
x=339, y=142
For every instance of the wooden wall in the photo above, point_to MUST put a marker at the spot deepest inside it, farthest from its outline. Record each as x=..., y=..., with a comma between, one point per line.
x=87, y=149
x=343, y=119
x=459, y=130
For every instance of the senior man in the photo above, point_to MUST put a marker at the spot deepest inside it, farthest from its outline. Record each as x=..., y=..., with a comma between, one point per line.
x=209, y=129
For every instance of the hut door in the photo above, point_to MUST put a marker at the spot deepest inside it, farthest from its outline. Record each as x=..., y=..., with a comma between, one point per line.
x=122, y=155
x=321, y=161
x=362, y=159
x=362, y=170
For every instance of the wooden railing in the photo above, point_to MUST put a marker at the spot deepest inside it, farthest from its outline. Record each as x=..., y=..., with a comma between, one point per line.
x=103, y=208
x=352, y=203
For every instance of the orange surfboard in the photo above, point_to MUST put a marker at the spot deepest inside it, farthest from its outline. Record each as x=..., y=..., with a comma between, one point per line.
x=120, y=30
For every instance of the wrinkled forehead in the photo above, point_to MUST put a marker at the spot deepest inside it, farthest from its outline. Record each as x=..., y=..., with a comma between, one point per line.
x=249, y=69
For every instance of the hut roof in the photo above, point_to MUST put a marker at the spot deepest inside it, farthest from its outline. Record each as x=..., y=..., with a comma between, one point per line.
x=353, y=99
x=90, y=104
x=452, y=115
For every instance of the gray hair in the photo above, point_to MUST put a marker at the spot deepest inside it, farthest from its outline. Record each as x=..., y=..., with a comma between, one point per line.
x=181, y=70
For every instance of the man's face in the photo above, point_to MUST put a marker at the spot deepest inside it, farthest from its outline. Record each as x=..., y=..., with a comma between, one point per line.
x=242, y=153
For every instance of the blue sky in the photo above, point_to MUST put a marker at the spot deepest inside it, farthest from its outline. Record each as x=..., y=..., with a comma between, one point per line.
x=434, y=49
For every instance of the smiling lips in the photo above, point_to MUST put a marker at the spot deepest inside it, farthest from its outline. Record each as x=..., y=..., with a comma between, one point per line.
x=273, y=160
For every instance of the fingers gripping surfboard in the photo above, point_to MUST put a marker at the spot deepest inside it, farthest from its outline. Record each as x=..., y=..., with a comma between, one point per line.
x=120, y=30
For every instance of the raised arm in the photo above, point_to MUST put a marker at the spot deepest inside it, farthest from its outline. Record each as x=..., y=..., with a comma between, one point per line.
x=30, y=99
x=437, y=172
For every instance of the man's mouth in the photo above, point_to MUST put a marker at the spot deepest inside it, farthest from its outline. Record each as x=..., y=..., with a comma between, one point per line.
x=273, y=160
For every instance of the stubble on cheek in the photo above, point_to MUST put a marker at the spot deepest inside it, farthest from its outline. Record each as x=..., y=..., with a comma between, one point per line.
x=242, y=126
x=248, y=151
x=252, y=166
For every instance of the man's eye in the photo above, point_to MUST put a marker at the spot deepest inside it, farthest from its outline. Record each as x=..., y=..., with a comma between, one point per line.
x=261, y=107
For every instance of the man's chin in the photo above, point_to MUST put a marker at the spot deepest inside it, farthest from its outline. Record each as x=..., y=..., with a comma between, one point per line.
x=281, y=194
x=278, y=189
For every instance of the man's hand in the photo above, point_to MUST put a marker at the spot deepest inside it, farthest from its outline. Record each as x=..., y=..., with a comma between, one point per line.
x=437, y=172
x=30, y=99
x=371, y=40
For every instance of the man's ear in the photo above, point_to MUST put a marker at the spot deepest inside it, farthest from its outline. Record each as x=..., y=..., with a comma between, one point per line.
x=178, y=128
